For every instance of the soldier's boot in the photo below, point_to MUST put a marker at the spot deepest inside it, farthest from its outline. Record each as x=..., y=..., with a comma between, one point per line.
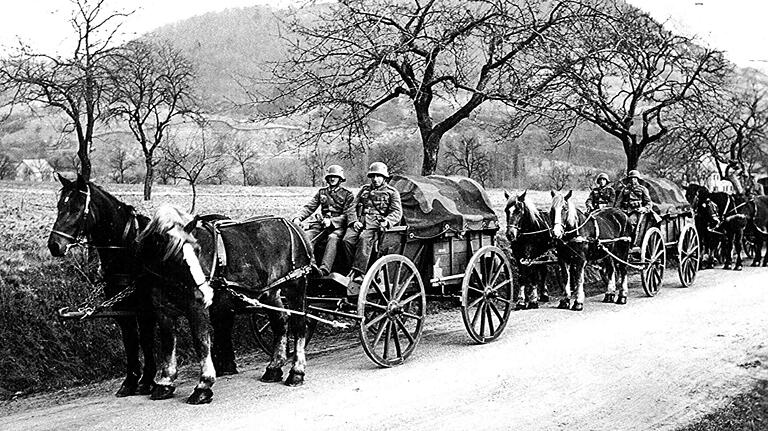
x=329, y=255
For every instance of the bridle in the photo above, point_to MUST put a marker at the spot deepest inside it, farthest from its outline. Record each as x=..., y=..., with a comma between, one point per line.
x=81, y=226
x=516, y=225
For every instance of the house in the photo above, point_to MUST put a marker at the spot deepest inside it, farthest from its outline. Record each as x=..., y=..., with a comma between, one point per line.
x=34, y=170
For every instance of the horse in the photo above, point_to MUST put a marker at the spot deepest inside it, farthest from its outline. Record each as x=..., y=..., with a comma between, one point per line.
x=86, y=212
x=255, y=260
x=528, y=233
x=732, y=213
x=601, y=236
x=757, y=227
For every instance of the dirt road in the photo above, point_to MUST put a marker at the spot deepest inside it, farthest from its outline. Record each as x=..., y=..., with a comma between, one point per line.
x=656, y=363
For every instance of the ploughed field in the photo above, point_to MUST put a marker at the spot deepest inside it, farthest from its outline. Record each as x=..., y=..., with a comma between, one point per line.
x=37, y=351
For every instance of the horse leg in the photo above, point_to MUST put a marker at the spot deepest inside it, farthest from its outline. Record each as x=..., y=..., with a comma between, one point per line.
x=543, y=291
x=565, y=303
x=763, y=240
x=278, y=321
x=199, y=323
x=147, y=340
x=624, y=289
x=169, y=371
x=533, y=294
x=578, y=280
x=129, y=331
x=728, y=249
x=738, y=242
x=610, y=291
x=223, y=320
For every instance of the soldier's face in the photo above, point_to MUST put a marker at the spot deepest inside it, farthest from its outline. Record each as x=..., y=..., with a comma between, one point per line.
x=633, y=181
x=602, y=182
x=376, y=180
x=333, y=180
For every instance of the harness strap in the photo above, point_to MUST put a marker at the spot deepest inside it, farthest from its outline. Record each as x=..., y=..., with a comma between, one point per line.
x=258, y=290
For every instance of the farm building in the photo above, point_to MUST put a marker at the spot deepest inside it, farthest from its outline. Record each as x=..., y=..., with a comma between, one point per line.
x=34, y=170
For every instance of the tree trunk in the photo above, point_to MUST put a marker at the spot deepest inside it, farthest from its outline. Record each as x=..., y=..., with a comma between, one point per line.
x=194, y=196
x=633, y=151
x=148, y=177
x=245, y=174
x=85, y=161
x=431, y=152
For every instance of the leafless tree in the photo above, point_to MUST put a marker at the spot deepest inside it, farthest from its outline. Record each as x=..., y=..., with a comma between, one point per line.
x=155, y=85
x=395, y=156
x=195, y=159
x=240, y=149
x=630, y=71
x=357, y=56
x=315, y=163
x=76, y=85
x=559, y=176
x=120, y=161
x=468, y=157
x=6, y=166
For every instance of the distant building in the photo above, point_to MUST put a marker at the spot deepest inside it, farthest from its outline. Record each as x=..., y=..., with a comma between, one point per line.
x=34, y=170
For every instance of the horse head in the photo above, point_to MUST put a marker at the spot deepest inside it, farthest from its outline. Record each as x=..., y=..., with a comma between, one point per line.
x=169, y=249
x=514, y=211
x=562, y=213
x=72, y=218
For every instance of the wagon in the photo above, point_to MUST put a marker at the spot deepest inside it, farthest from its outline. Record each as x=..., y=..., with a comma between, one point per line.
x=444, y=250
x=672, y=233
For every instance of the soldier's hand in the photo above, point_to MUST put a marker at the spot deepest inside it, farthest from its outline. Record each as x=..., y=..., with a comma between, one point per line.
x=642, y=210
x=327, y=222
x=357, y=225
x=296, y=221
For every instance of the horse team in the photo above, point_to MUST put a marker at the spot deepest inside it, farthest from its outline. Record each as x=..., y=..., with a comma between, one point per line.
x=167, y=264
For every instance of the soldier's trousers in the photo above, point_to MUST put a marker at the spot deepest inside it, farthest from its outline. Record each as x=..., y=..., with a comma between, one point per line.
x=360, y=245
x=317, y=233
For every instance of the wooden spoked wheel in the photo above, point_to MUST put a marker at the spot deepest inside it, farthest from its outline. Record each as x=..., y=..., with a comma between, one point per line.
x=262, y=332
x=393, y=304
x=688, y=255
x=486, y=294
x=653, y=258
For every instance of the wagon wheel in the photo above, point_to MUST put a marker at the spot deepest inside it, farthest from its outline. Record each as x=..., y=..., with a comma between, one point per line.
x=262, y=332
x=392, y=303
x=653, y=258
x=688, y=255
x=486, y=294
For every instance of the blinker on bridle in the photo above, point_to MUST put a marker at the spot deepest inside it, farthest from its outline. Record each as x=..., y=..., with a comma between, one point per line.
x=81, y=226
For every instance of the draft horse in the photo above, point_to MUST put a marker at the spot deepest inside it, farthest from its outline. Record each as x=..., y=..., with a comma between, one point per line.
x=88, y=215
x=260, y=260
x=528, y=232
x=602, y=236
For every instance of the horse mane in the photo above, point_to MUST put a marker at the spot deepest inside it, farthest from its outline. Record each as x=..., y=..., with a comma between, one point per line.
x=534, y=215
x=572, y=218
x=169, y=222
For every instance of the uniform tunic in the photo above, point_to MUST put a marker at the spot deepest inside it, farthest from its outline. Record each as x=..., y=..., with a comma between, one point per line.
x=375, y=208
x=337, y=205
x=631, y=199
x=600, y=197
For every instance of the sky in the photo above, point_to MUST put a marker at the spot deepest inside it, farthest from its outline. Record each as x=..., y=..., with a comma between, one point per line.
x=735, y=26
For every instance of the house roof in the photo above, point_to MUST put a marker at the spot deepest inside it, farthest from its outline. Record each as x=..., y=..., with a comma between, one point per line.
x=36, y=165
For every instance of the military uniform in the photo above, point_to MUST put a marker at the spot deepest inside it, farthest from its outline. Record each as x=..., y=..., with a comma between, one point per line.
x=374, y=208
x=632, y=199
x=337, y=205
x=600, y=197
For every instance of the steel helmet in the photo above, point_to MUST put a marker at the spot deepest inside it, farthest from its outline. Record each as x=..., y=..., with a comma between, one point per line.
x=378, y=168
x=634, y=173
x=335, y=171
x=604, y=176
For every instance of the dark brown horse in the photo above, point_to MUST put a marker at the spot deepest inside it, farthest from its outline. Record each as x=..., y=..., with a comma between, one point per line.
x=602, y=236
x=88, y=215
x=732, y=214
x=257, y=261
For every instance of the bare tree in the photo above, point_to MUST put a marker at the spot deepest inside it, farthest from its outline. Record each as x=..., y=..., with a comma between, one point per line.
x=194, y=160
x=559, y=176
x=468, y=157
x=6, y=166
x=76, y=85
x=395, y=156
x=155, y=85
x=357, y=56
x=120, y=161
x=243, y=152
x=634, y=73
x=315, y=163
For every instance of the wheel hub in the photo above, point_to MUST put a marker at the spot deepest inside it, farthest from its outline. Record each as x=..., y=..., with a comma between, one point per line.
x=394, y=308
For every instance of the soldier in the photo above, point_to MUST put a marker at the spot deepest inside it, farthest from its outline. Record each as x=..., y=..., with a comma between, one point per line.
x=634, y=199
x=377, y=206
x=337, y=209
x=601, y=196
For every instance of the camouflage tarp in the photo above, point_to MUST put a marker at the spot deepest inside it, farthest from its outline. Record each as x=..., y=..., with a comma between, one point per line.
x=435, y=204
x=667, y=198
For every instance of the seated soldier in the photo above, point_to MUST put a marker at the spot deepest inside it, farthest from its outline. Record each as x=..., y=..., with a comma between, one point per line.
x=601, y=196
x=377, y=207
x=634, y=199
x=337, y=208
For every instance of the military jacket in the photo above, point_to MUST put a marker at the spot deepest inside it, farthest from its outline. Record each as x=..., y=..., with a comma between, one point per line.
x=375, y=205
x=335, y=203
x=600, y=197
x=632, y=198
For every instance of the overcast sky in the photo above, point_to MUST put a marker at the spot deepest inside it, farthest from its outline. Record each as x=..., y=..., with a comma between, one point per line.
x=736, y=26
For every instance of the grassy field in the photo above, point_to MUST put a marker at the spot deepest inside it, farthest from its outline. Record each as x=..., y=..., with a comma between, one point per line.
x=37, y=351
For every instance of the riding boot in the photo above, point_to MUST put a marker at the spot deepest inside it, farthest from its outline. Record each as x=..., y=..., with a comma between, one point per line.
x=329, y=256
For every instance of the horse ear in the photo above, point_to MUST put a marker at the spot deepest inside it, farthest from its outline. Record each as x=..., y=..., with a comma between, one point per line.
x=191, y=225
x=568, y=196
x=552, y=193
x=64, y=182
x=506, y=194
x=521, y=198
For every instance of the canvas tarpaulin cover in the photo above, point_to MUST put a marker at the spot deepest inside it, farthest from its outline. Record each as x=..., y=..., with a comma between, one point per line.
x=667, y=198
x=436, y=204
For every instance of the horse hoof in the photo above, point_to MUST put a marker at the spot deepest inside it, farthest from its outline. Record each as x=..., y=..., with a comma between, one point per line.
x=200, y=396
x=533, y=305
x=577, y=306
x=609, y=298
x=162, y=392
x=756, y=263
x=726, y=266
x=765, y=263
x=272, y=375
x=294, y=379
x=126, y=390
x=520, y=306
x=145, y=388
x=564, y=304
x=621, y=300
x=737, y=268
x=544, y=298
